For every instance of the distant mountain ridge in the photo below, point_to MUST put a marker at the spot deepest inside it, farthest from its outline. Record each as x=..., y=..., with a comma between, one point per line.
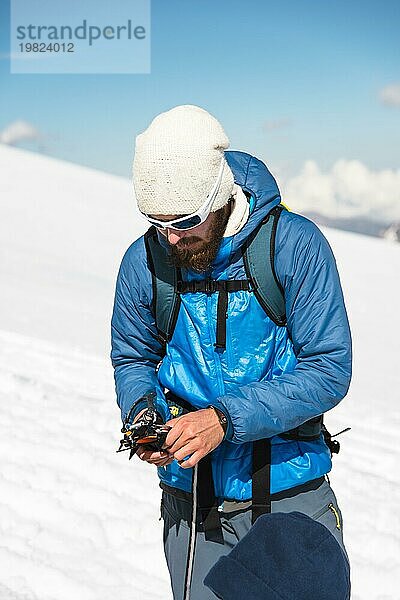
x=361, y=225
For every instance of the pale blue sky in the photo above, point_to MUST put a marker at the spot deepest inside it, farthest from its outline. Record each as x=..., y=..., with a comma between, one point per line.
x=290, y=81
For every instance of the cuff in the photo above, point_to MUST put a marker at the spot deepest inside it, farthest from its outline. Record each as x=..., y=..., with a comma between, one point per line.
x=140, y=404
x=229, y=430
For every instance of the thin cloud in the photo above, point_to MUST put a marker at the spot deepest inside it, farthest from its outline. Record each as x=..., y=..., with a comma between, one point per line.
x=390, y=95
x=19, y=131
x=349, y=189
x=276, y=125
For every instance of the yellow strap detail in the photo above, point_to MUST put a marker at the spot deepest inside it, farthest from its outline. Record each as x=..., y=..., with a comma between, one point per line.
x=335, y=512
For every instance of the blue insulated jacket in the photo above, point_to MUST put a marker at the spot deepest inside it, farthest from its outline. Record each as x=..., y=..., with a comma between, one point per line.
x=269, y=379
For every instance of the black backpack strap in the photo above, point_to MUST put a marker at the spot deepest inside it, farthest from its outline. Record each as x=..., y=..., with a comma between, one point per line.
x=258, y=258
x=165, y=278
x=261, y=479
x=222, y=315
x=306, y=432
x=223, y=287
x=209, y=286
x=207, y=501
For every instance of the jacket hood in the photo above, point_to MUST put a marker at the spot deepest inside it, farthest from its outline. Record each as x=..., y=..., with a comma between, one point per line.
x=252, y=175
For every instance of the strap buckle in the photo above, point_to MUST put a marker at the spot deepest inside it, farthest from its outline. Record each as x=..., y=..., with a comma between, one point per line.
x=229, y=506
x=209, y=286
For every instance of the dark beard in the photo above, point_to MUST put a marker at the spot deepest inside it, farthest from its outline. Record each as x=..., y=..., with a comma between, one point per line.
x=204, y=255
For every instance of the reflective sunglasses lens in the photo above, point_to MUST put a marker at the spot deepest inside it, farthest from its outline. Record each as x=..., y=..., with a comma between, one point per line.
x=187, y=223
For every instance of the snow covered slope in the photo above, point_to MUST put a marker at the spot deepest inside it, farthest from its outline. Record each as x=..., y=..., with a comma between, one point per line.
x=79, y=521
x=63, y=231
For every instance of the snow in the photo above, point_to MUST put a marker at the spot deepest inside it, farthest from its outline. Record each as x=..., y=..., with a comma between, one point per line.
x=65, y=227
x=78, y=520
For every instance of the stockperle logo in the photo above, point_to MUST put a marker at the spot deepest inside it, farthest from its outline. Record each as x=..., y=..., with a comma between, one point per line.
x=54, y=36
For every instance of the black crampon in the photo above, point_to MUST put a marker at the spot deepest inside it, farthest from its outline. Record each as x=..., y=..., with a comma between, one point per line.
x=147, y=431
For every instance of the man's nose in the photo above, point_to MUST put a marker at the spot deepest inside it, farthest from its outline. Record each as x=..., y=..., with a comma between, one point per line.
x=173, y=236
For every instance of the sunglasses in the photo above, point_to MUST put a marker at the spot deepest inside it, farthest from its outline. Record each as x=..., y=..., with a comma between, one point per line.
x=195, y=219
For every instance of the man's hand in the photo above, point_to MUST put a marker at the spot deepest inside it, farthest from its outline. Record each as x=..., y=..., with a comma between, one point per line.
x=153, y=457
x=196, y=433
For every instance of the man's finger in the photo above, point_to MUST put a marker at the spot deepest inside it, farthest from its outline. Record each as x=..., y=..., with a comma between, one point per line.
x=165, y=462
x=184, y=451
x=174, y=433
x=180, y=443
x=193, y=460
x=158, y=456
x=151, y=455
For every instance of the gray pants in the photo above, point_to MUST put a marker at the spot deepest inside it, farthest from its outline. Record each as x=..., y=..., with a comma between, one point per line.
x=320, y=504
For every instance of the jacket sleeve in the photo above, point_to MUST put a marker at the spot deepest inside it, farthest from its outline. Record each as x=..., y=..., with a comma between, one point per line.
x=318, y=327
x=136, y=350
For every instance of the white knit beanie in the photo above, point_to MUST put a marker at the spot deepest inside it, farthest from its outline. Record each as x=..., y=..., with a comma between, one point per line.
x=177, y=161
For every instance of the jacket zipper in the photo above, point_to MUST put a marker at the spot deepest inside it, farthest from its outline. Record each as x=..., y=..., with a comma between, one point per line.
x=228, y=349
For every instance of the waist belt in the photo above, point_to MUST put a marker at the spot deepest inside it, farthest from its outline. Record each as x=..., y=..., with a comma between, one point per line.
x=228, y=506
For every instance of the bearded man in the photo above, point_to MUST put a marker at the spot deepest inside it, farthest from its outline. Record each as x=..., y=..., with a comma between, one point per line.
x=246, y=384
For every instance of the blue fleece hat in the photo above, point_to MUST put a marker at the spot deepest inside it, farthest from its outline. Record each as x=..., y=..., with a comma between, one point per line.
x=284, y=556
